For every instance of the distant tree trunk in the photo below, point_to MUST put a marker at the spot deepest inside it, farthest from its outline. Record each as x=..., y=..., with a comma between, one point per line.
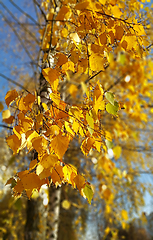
x=35, y=227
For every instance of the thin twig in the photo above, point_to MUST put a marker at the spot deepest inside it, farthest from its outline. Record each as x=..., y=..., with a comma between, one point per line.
x=14, y=82
x=12, y=15
x=4, y=126
x=26, y=14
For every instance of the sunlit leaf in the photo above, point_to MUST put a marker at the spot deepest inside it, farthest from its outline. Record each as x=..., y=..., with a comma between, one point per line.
x=112, y=109
x=88, y=192
x=10, y=96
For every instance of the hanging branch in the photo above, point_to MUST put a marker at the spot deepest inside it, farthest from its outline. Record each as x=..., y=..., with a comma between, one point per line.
x=14, y=82
x=29, y=32
x=26, y=14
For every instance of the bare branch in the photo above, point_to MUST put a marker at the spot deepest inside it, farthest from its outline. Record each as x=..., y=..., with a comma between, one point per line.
x=26, y=14
x=14, y=82
x=29, y=32
x=4, y=126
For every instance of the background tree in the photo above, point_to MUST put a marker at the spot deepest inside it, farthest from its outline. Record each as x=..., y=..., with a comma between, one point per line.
x=100, y=43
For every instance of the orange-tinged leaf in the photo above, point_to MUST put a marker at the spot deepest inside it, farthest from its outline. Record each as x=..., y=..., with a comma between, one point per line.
x=103, y=38
x=33, y=164
x=106, y=193
x=18, y=189
x=26, y=123
x=1, y=107
x=14, y=143
x=50, y=75
x=59, y=144
x=9, y=181
x=31, y=181
x=82, y=5
x=49, y=161
x=57, y=175
x=39, y=144
x=63, y=13
x=79, y=181
x=18, y=130
x=119, y=31
x=10, y=96
x=68, y=66
x=62, y=59
x=29, y=100
x=87, y=144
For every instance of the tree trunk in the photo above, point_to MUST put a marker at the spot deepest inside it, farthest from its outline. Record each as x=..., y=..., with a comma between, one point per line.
x=53, y=213
x=35, y=227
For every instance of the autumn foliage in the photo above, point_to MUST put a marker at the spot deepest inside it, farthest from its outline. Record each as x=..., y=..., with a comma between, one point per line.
x=85, y=44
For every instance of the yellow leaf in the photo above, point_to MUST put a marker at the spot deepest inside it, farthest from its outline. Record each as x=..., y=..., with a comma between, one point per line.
x=55, y=98
x=139, y=29
x=73, y=90
x=6, y=114
x=14, y=143
x=79, y=181
x=116, y=11
x=10, y=97
x=51, y=75
x=96, y=62
x=64, y=32
x=124, y=215
x=66, y=204
x=69, y=130
x=59, y=144
x=117, y=152
x=68, y=66
x=102, y=1
x=70, y=173
x=90, y=121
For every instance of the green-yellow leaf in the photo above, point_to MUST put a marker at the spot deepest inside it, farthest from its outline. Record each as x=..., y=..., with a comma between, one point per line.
x=112, y=109
x=88, y=192
x=110, y=97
